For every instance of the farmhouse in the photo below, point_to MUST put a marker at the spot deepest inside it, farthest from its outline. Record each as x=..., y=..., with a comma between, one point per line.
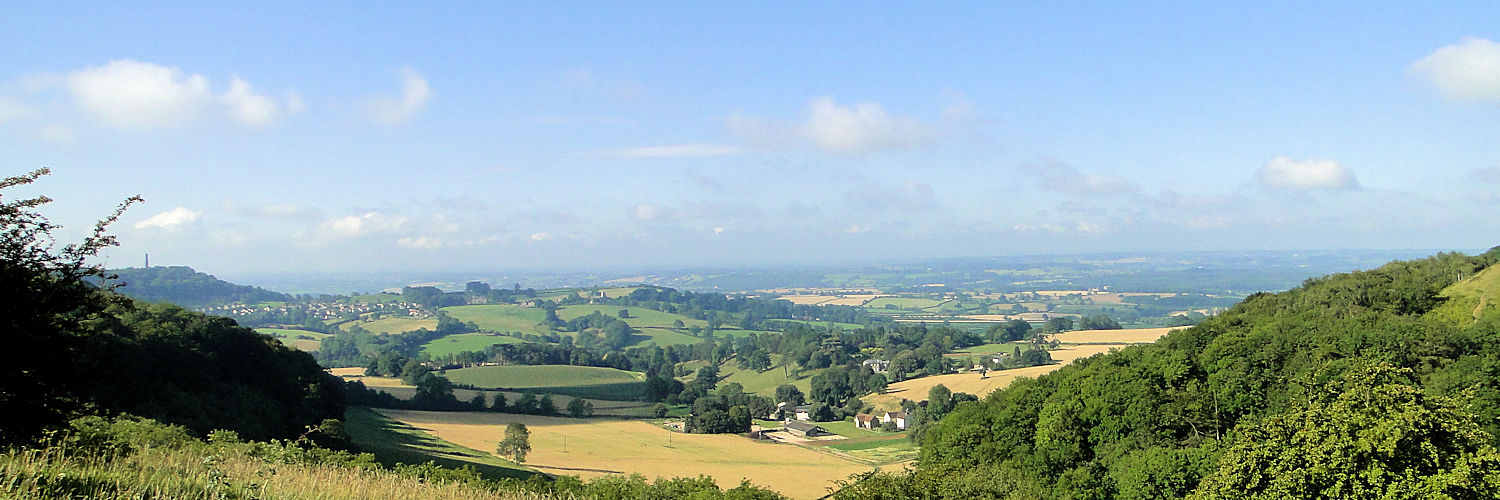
x=877, y=365
x=866, y=421
x=901, y=418
x=803, y=412
x=804, y=429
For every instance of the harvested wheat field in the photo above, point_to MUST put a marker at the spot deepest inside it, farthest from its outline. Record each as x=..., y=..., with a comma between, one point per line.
x=596, y=447
x=1131, y=336
x=916, y=389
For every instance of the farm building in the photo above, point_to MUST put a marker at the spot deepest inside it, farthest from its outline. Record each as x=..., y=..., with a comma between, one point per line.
x=877, y=365
x=803, y=429
x=901, y=418
x=803, y=412
x=866, y=421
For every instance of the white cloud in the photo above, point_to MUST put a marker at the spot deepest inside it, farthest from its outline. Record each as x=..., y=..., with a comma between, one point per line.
x=1469, y=70
x=171, y=218
x=859, y=129
x=1063, y=178
x=414, y=96
x=1282, y=173
x=421, y=242
x=677, y=151
x=132, y=94
x=650, y=212
x=541, y=236
x=368, y=223
x=128, y=93
x=248, y=107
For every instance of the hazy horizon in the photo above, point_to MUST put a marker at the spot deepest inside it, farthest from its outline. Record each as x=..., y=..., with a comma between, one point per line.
x=288, y=138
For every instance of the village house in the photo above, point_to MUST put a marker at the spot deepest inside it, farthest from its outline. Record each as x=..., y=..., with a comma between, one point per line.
x=901, y=418
x=877, y=365
x=866, y=421
x=803, y=412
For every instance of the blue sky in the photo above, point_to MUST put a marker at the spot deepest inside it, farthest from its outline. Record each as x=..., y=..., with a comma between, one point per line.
x=394, y=136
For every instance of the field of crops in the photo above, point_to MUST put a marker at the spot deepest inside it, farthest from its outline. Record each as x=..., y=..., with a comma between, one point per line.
x=972, y=383
x=915, y=303
x=595, y=447
x=394, y=326
x=1127, y=336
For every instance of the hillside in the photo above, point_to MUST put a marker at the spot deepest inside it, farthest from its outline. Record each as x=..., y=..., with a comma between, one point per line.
x=184, y=286
x=1345, y=387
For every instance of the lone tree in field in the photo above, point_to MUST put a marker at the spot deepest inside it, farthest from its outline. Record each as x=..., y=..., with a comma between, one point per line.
x=517, y=443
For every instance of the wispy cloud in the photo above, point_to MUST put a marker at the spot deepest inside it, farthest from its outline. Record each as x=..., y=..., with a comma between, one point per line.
x=1059, y=177
x=677, y=151
x=393, y=110
x=858, y=129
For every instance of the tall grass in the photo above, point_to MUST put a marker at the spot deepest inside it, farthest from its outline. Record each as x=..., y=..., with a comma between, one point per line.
x=216, y=472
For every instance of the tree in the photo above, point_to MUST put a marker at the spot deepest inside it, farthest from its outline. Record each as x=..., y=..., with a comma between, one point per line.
x=499, y=404
x=822, y=413
x=578, y=408
x=1378, y=438
x=789, y=394
x=624, y=313
x=545, y=406
x=658, y=410
x=516, y=444
x=52, y=291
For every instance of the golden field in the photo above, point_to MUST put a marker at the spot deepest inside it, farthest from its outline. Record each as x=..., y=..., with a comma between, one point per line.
x=970, y=382
x=595, y=447
x=1129, y=336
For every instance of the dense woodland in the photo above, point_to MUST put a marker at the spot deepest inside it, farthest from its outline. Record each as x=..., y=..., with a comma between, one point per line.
x=1362, y=385
x=183, y=286
x=73, y=347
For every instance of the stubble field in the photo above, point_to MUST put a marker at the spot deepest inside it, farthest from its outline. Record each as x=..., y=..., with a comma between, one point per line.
x=595, y=447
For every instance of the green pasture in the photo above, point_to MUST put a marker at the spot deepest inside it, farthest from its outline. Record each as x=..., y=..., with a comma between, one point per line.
x=640, y=317
x=295, y=338
x=582, y=381
x=454, y=344
x=763, y=383
x=499, y=318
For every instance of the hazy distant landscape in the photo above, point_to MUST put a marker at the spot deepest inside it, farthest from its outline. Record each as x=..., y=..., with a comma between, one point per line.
x=1108, y=251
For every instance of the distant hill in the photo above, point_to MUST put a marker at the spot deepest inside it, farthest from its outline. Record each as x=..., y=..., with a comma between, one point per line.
x=184, y=286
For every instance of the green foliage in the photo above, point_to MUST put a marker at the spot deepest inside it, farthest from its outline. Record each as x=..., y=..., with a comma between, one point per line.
x=1377, y=438
x=1151, y=421
x=183, y=286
